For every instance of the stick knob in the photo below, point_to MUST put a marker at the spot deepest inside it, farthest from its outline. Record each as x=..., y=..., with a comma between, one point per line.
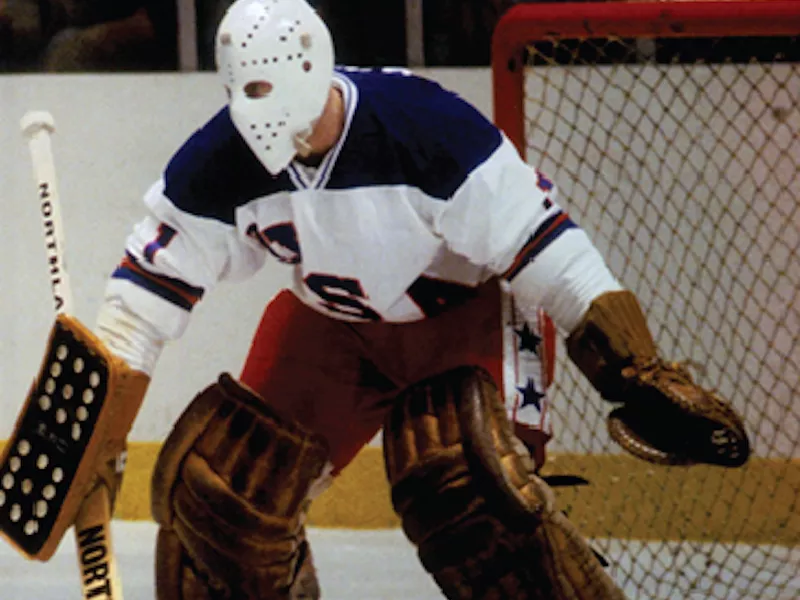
x=35, y=121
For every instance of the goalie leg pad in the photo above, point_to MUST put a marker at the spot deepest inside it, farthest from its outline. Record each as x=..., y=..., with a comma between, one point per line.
x=179, y=579
x=484, y=524
x=230, y=492
x=68, y=436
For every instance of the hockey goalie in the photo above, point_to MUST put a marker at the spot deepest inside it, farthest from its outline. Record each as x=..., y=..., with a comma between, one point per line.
x=431, y=270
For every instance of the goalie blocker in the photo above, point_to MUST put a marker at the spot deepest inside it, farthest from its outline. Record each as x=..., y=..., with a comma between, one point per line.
x=68, y=434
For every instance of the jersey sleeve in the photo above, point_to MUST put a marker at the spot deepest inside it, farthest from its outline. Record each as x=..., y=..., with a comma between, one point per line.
x=504, y=214
x=505, y=217
x=172, y=258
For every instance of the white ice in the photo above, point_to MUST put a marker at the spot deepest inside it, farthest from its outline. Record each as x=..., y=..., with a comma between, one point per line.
x=382, y=565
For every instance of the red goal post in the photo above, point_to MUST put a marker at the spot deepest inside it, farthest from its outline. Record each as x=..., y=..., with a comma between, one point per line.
x=672, y=130
x=526, y=23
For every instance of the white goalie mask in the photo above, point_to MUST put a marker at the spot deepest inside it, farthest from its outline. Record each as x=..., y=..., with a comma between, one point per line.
x=276, y=60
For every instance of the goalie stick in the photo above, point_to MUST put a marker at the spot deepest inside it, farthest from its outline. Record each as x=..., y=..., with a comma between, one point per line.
x=98, y=568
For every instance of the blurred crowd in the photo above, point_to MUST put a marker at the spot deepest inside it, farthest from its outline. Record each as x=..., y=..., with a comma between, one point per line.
x=142, y=35
x=87, y=35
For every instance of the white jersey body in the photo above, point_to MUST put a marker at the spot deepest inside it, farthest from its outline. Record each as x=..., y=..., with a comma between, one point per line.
x=421, y=200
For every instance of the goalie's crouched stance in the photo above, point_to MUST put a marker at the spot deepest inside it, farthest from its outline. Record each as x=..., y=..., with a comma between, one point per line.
x=230, y=491
x=485, y=525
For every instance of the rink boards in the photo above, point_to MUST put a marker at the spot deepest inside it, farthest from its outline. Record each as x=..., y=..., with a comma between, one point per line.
x=625, y=498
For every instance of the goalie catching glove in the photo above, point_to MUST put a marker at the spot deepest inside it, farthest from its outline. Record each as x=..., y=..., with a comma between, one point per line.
x=68, y=436
x=665, y=417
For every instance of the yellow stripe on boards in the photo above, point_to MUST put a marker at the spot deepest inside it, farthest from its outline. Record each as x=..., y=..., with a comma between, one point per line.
x=631, y=499
x=625, y=498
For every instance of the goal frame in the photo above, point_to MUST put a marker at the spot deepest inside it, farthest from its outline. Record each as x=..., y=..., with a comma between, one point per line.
x=523, y=24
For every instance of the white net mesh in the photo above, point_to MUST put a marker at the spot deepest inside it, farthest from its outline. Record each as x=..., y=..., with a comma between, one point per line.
x=684, y=171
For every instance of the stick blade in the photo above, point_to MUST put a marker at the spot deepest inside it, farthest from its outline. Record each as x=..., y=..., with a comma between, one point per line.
x=34, y=121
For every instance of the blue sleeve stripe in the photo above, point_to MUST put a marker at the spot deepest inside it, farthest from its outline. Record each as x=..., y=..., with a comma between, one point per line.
x=172, y=290
x=544, y=235
x=165, y=235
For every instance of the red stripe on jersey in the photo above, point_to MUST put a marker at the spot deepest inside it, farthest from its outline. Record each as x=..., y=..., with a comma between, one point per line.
x=531, y=246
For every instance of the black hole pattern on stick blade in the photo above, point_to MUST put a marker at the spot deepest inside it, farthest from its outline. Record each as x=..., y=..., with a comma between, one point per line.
x=50, y=441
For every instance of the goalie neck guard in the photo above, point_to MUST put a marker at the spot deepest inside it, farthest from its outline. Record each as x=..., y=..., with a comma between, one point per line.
x=275, y=58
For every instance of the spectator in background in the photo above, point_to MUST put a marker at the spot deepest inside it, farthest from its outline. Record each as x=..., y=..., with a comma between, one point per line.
x=369, y=33
x=21, y=36
x=456, y=32
x=111, y=35
x=141, y=35
x=365, y=32
x=6, y=36
x=208, y=13
x=459, y=32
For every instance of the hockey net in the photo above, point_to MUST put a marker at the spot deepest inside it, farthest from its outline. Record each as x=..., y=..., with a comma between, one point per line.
x=672, y=130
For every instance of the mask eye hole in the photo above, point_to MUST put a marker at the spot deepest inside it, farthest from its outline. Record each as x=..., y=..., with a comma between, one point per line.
x=228, y=91
x=257, y=89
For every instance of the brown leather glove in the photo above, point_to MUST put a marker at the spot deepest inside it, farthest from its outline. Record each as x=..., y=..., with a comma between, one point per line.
x=665, y=417
x=230, y=493
x=68, y=436
x=485, y=526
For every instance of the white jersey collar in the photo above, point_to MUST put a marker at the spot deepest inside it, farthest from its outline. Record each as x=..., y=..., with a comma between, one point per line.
x=305, y=177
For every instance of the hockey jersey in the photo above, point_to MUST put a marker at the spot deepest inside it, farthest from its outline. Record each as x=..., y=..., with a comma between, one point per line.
x=421, y=200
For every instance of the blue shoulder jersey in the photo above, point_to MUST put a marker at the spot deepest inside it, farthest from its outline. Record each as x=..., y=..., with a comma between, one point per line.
x=421, y=200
